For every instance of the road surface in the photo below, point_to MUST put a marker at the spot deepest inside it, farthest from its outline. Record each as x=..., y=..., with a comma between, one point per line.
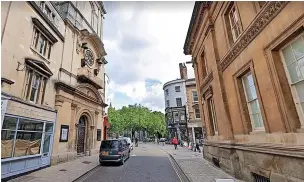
x=147, y=163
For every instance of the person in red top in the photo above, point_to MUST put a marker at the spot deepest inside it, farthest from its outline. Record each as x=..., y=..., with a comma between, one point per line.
x=175, y=142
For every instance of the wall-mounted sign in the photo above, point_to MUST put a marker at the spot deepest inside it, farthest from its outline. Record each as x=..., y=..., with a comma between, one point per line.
x=98, y=134
x=64, y=133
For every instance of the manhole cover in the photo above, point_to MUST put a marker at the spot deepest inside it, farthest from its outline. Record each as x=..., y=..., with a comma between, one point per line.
x=86, y=162
x=62, y=170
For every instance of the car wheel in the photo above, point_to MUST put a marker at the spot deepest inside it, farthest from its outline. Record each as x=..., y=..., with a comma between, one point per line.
x=101, y=163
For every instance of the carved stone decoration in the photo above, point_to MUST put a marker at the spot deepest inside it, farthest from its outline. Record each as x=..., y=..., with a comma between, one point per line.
x=89, y=57
x=259, y=23
x=78, y=46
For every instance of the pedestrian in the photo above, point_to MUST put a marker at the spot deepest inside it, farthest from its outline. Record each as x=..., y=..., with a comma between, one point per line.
x=197, y=146
x=175, y=142
x=136, y=142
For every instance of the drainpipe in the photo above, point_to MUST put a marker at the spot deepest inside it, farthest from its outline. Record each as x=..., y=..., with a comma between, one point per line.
x=5, y=21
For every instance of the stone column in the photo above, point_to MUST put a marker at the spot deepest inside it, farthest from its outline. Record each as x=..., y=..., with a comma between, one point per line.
x=72, y=133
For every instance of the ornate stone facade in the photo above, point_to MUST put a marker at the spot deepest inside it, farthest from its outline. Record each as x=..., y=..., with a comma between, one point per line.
x=253, y=48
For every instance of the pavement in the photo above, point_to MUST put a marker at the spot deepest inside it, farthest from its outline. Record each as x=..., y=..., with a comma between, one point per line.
x=148, y=162
x=64, y=172
x=195, y=166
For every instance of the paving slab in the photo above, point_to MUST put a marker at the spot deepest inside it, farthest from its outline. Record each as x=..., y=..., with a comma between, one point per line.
x=195, y=166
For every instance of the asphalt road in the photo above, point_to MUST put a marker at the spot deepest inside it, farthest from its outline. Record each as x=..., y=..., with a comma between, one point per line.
x=147, y=163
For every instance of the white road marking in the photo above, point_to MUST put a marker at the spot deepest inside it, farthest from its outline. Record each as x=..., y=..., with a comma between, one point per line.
x=133, y=155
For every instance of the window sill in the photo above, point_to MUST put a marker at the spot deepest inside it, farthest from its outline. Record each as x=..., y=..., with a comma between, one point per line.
x=257, y=132
x=40, y=55
x=20, y=158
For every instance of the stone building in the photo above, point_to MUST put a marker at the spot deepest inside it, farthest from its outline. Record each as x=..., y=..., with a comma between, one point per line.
x=249, y=68
x=184, y=120
x=79, y=99
x=52, y=83
x=195, y=124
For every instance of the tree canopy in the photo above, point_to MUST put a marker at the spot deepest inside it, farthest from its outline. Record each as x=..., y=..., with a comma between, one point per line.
x=137, y=118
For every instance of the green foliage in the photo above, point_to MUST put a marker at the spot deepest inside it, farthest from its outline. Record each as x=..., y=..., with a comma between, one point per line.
x=137, y=118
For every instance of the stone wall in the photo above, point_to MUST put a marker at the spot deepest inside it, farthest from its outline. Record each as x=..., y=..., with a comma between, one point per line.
x=242, y=163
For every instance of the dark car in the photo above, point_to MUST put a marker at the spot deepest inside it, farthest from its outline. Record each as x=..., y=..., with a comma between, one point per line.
x=114, y=150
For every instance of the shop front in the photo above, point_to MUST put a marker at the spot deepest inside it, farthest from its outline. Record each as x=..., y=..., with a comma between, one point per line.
x=26, y=137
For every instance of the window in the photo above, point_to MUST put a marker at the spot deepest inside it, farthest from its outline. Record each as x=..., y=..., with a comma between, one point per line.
x=212, y=116
x=233, y=23
x=41, y=44
x=35, y=86
x=167, y=103
x=179, y=102
x=204, y=65
x=22, y=137
x=293, y=56
x=197, y=113
x=177, y=89
x=252, y=102
x=167, y=92
x=195, y=97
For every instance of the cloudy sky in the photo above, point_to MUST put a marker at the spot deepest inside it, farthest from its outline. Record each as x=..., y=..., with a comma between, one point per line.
x=144, y=44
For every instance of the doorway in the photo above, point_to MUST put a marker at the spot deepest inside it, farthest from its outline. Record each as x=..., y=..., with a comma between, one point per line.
x=81, y=134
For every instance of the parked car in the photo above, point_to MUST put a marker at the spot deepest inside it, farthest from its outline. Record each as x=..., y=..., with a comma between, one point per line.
x=114, y=150
x=129, y=142
x=162, y=140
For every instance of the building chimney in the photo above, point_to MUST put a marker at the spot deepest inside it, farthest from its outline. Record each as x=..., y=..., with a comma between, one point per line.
x=183, y=71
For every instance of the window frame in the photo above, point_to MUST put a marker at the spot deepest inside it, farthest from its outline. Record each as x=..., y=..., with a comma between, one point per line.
x=177, y=90
x=195, y=113
x=225, y=18
x=292, y=85
x=181, y=103
x=43, y=133
x=212, y=115
x=193, y=100
x=28, y=86
x=36, y=46
x=167, y=103
x=241, y=97
x=248, y=103
x=167, y=92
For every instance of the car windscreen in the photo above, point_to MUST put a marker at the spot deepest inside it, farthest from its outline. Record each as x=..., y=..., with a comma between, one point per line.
x=109, y=144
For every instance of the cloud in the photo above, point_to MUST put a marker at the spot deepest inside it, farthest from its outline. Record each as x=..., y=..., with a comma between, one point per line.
x=144, y=42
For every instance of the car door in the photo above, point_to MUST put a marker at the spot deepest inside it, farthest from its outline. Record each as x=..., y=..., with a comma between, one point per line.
x=126, y=149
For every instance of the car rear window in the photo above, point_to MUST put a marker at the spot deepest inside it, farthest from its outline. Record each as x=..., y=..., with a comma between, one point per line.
x=109, y=144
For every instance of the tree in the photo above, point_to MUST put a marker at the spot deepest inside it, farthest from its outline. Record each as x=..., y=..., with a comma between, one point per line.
x=137, y=118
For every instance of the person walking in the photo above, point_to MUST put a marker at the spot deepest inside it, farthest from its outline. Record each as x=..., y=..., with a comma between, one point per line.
x=136, y=142
x=197, y=146
x=175, y=142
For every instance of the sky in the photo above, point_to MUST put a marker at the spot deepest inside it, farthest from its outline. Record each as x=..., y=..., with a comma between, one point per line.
x=144, y=43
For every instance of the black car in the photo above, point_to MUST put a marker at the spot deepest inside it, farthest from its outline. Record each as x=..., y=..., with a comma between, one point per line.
x=114, y=150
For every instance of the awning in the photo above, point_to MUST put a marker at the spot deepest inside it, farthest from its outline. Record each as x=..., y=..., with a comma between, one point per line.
x=106, y=123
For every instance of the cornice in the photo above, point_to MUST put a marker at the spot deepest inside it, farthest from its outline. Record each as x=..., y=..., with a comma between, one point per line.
x=265, y=16
x=197, y=14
